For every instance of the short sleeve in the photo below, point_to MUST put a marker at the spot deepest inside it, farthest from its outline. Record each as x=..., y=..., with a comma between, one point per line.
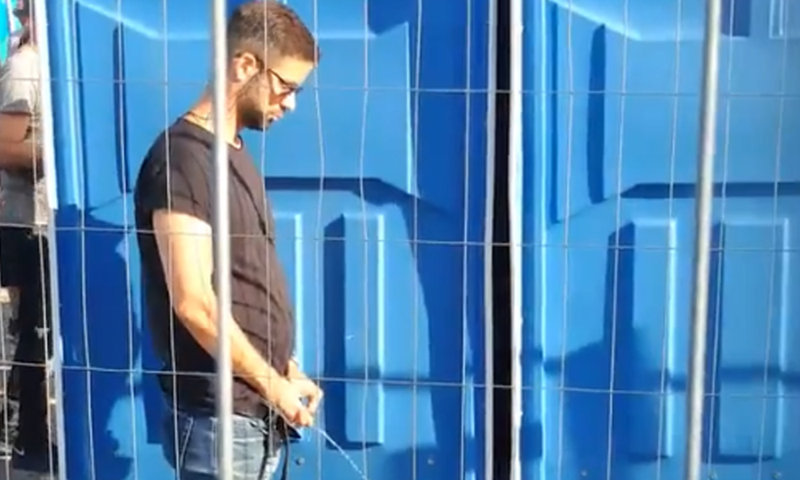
x=12, y=42
x=19, y=84
x=178, y=179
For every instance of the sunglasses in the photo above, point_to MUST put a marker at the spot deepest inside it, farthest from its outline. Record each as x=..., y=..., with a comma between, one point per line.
x=287, y=87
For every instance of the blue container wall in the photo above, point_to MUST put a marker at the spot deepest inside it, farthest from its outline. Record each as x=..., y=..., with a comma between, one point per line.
x=609, y=197
x=4, y=30
x=392, y=175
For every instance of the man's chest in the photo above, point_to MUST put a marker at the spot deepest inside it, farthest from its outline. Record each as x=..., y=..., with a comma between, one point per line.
x=250, y=211
x=251, y=224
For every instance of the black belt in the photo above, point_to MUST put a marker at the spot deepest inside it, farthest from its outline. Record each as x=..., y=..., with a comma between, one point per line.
x=276, y=425
x=285, y=433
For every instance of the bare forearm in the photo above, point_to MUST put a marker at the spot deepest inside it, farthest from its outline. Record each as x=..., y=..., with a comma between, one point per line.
x=247, y=362
x=19, y=155
x=294, y=371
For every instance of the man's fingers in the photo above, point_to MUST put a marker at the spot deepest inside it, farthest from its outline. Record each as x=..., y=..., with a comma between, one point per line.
x=308, y=390
x=305, y=386
x=314, y=400
x=304, y=418
x=296, y=413
x=291, y=411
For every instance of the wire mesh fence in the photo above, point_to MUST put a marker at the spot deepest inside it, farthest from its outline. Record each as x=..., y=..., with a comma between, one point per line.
x=381, y=183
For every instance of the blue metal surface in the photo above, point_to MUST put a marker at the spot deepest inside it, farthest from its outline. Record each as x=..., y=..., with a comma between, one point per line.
x=384, y=296
x=4, y=31
x=611, y=122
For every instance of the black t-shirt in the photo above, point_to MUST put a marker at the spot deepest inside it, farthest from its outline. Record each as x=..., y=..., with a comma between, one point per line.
x=178, y=174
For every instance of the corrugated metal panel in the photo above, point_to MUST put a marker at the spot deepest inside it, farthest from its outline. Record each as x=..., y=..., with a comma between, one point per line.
x=392, y=176
x=612, y=127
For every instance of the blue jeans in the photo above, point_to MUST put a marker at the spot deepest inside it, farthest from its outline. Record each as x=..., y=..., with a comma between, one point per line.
x=193, y=451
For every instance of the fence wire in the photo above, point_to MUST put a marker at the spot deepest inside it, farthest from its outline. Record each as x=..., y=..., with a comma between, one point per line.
x=404, y=399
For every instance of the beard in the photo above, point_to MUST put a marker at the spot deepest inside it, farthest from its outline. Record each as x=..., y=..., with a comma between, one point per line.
x=251, y=116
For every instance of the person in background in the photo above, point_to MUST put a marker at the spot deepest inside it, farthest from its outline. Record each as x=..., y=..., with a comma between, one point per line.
x=20, y=10
x=270, y=54
x=23, y=243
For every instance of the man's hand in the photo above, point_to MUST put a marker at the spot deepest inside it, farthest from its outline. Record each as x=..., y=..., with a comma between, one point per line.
x=286, y=397
x=308, y=389
x=310, y=392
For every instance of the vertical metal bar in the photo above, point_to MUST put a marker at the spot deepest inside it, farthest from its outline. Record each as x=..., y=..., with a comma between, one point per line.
x=40, y=19
x=702, y=254
x=465, y=385
x=515, y=226
x=415, y=242
x=222, y=251
x=126, y=248
x=488, y=244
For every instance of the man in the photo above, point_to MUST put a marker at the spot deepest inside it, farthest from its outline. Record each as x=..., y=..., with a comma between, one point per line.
x=23, y=242
x=270, y=54
x=16, y=9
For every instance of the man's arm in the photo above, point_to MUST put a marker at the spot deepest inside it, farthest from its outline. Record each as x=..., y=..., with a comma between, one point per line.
x=19, y=156
x=186, y=251
x=14, y=126
x=17, y=153
x=19, y=92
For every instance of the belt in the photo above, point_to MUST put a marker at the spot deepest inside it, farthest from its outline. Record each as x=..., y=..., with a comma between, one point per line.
x=276, y=425
x=284, y=428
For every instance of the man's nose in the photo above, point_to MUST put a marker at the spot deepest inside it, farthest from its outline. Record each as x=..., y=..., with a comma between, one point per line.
x=289, y=102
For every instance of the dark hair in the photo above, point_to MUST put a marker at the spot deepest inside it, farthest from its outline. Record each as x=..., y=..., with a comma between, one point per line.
x=25, y=9
x=266, y=27
x=25, y=12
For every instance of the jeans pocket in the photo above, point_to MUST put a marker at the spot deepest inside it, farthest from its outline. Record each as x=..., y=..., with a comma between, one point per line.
x=178, y=432
x=184, y=435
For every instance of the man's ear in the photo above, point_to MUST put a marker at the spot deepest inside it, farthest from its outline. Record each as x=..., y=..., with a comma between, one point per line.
x=244, y=67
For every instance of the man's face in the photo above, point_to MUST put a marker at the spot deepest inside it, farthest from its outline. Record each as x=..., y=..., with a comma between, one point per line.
x=270, y=92
x=21, y=11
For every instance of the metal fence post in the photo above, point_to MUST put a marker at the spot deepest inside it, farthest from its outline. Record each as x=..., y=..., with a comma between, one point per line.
x=702, y=242
x=222, y=251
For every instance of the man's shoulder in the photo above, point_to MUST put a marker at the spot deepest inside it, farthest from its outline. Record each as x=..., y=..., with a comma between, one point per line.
x=173, y=146
x=14, y=39
x=22, y=63
x=172, y=152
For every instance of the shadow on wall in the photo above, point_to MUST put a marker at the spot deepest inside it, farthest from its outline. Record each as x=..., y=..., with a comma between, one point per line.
x=587, y=398
x=642, y=423
x=107, y=376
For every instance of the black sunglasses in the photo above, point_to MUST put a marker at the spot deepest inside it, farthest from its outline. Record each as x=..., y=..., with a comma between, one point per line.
x=288, y=87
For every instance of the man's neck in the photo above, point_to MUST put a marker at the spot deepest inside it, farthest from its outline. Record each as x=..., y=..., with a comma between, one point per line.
x=202, y=115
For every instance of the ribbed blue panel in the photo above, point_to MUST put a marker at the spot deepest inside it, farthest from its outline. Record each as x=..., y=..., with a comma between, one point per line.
x=378, y=193
x=611, y=131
